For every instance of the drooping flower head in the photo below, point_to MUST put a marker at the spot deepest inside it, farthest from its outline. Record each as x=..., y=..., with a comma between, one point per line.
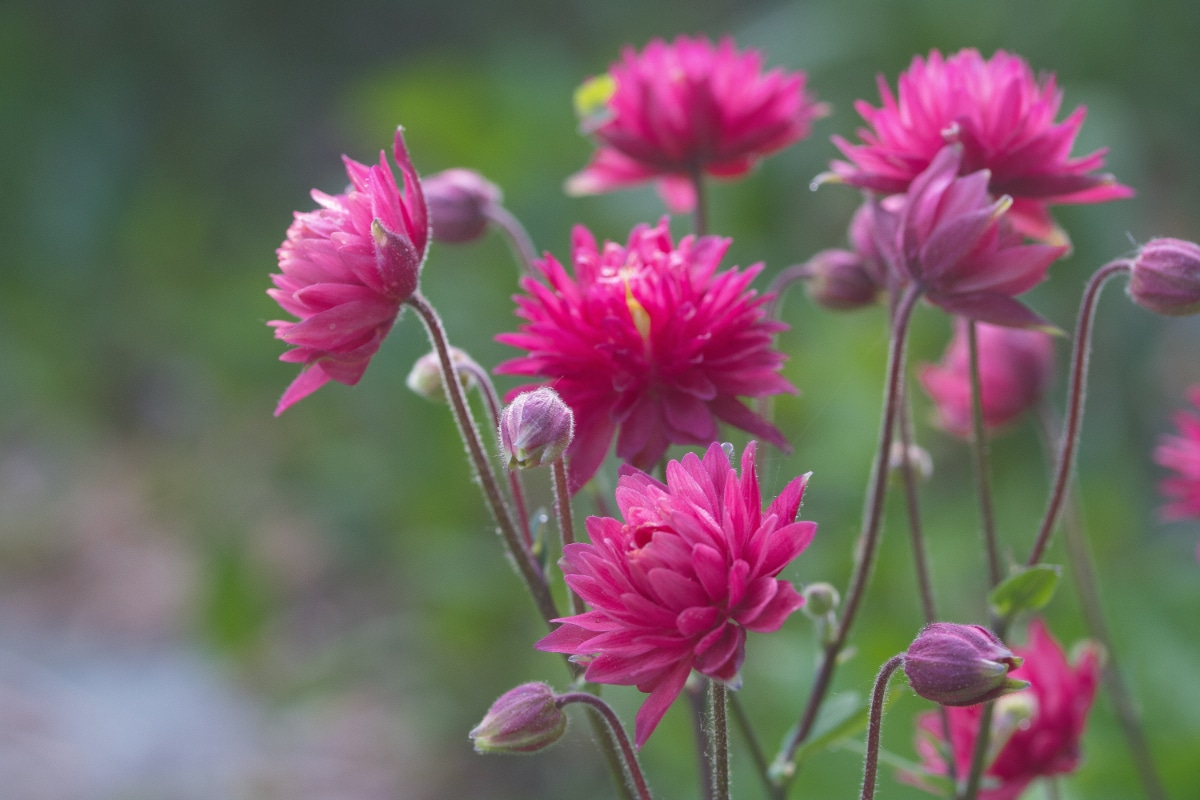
x=1165, y=277
x=676, y=585
x=1003, y=117
x=1040, y=741
x=648, y=342
x=676, y=109
x=346, y=268
x=1015, y=369
x=953, y=240
x=1181, y=454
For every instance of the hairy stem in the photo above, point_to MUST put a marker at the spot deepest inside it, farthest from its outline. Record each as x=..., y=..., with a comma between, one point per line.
x=718, y=717
x=566, y=526
x=875, y=725
x=633, y=770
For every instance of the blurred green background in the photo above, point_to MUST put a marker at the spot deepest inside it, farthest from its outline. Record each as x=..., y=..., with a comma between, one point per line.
x=200, y=601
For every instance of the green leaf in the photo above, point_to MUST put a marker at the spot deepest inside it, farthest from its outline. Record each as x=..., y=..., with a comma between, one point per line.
x=1026, y=590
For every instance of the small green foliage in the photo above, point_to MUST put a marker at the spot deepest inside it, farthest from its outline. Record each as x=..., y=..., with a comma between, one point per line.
x=1028, y=589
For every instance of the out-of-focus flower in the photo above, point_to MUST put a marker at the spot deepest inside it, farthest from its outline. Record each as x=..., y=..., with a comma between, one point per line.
x=1181, y=454
x=535, y=429
x=522, y=720
x=425, y=377
x=675, y=110
x=1001, y=115
x=459, y=203
x=1015, y=369
x=345, y=270
x=648, y=342
x=1040, y=742
x=952, y=240
x=840, y=281
x=960, y=665
x=1165, y=277
x=676, y=585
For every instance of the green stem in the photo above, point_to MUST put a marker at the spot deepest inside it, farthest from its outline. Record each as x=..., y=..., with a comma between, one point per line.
x=757, y=755
x=633, y=770
x=718, y=709
x=566, y=526
x=979, y=755
x=700, y=215
x=979, y=446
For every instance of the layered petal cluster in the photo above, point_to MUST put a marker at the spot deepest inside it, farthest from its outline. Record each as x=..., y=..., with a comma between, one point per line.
x=676, y=109
x=1015, y=369
x=1181, y=454
x=648, y=342
x=344, y=270
x=954, y=241
x=1004, y=118
x=1040, y=741
x=676, y=585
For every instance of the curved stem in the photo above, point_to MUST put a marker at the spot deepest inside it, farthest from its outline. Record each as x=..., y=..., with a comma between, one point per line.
x=868, y=539
x=1084, y=572
x=781, y=283
x=492, y=398
x=528, y=567
x=875, y=725
x=633, y=771
x=718, y=711
x=516, y=233
x=979, y=446
x=1075, y=395
x=566, y=526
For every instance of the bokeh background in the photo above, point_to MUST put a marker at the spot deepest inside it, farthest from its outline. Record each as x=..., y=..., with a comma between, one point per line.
x=198, y=600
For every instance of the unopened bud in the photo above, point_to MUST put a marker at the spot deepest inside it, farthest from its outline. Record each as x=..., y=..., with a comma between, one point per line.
x=535, y=429
x=1165, y=277
x=960, y=665
x=522, y=720
x=458, y=201
x=820, y=599
x=425, y=378
x=838, y=280
x=917, y=457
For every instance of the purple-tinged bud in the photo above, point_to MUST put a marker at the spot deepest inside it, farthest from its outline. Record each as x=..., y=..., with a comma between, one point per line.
x=522, y=720
x=425, y=378
x=459, y=200
x=535, y=429
x=839, y=280
x=960, y=665
x=1165, y=277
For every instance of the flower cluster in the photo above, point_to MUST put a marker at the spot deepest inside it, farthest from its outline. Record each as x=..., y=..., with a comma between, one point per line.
x=676, y=110
x=1040, y=741
x=649, y=342
x=676, y=585
x=345, y=269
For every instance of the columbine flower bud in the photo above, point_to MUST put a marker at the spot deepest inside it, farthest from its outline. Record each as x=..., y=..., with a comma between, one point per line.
x=820, y=599
x=838, y=280
x=425, y=378
x=918, y=458
x=522, y=720
x=535, y=429
x=960, y=665
x=459, y=200
x=1165, y=277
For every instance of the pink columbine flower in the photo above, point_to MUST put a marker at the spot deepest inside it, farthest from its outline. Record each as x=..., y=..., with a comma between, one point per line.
x=674, y=110
x=345, y=269
x=1015, y=369
x=1042, y=737
x=952, y=239
x=1003, y=117
x=1181, y=454
x=676, y=585
x=648, y=342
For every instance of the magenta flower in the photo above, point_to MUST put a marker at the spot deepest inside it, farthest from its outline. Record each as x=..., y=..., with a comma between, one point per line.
x=1043, y=724
x=674, y=110
x=952, y=240
x=1001, y=114
x=1015, y=369
x=650, y=343
x=676, y=585
x=1181, y=453
x=345, y=269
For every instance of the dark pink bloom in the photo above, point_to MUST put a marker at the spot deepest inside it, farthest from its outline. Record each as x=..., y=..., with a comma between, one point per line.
x=953, y=241
x=1003, y=117
x=649, y=342
x=345, y=269
x=1181, y=454
x=676, y=585
x=676, y=109
x=1015, y=369
x=1042, y=742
